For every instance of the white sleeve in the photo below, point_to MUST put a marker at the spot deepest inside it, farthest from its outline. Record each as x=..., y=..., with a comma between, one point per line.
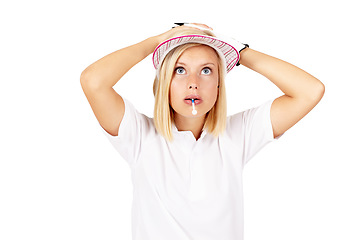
x=129, y=138
x=253, y=130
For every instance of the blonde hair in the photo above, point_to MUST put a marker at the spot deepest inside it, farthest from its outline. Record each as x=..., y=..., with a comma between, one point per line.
x=215, y=120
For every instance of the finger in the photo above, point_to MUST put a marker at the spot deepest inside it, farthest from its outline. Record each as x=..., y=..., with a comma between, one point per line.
x=202, y=25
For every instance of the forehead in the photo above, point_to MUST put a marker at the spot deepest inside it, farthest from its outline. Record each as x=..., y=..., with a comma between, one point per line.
x=201, y=53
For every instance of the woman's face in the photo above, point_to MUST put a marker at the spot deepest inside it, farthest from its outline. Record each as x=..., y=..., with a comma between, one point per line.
x=196, y=76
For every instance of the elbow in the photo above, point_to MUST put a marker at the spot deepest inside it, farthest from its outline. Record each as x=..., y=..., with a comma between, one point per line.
x=313, y=93
x=85, y=77
x=317, y=92
x=88, y=82
x=320, y=90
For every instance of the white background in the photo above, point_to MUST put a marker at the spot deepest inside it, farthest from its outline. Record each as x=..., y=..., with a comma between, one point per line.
x=61, y=179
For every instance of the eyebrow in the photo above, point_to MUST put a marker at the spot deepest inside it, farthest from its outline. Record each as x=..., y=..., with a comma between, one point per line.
x=209, y=63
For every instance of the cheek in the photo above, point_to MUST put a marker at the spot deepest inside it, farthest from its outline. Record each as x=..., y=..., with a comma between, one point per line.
x=174, y=91
x=212, y=89
x=214, y=95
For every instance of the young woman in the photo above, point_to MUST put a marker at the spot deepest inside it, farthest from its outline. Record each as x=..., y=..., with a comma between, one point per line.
x=187, y=161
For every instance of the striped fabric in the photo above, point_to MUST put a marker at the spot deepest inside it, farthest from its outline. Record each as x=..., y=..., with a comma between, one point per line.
x=227, y=52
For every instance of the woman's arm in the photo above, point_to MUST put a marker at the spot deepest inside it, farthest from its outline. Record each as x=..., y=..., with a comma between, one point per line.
x=302, y=91
x=98, y=79
x=107, y=71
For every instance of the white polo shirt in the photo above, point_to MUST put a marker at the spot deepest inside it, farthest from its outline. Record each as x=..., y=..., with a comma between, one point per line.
x=188, y=189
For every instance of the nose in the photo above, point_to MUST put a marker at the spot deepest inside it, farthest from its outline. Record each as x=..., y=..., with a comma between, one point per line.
x=193, y=86
x=193, y=82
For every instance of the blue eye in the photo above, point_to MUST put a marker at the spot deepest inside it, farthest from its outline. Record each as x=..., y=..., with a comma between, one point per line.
x=206, y=71
x=180, y=70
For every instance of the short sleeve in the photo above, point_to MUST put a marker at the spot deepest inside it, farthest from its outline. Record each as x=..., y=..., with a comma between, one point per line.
x=253, y=129
x=130, y=134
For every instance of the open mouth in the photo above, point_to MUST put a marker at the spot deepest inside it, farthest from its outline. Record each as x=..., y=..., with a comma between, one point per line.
x=189, y=101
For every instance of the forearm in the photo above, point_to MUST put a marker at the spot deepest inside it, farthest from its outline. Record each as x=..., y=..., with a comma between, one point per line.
x=291, y=80
x=107, y=71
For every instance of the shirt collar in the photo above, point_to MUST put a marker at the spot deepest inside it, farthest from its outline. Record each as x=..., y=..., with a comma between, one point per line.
x=181, y=134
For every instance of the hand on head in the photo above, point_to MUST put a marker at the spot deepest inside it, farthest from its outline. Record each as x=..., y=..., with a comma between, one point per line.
x=173, y=32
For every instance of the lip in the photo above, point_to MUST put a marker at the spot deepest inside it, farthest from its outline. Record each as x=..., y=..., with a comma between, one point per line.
x=197, y=100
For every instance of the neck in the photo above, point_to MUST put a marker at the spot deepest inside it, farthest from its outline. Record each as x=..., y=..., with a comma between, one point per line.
x=195, y=125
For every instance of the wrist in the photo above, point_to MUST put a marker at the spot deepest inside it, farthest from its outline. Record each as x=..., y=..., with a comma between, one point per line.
x=241, y=52
x=150, y=44
x=156, y=40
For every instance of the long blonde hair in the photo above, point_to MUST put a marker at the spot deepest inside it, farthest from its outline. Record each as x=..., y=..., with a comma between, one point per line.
x=215, y=120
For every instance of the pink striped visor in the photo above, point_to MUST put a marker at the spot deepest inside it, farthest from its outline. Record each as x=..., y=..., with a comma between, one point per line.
x=227, y=52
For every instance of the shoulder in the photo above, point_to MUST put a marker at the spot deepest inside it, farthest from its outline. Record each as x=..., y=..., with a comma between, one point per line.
x=256, y=117
x=134, y=122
